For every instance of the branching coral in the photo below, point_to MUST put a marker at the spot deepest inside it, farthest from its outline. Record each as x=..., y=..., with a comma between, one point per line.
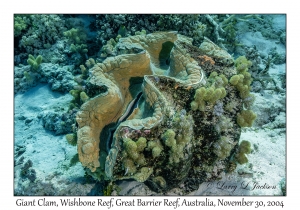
x=19, y=24
x=76, y=36
x=34, y=62
x=42, y=30
x=217, y=30
x=109, y=25
x=77, y=39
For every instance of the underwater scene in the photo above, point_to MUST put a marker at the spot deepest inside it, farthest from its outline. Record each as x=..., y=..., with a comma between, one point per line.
x=149, y=104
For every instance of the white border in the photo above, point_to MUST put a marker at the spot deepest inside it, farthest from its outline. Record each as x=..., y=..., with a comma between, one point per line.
x=8, y=8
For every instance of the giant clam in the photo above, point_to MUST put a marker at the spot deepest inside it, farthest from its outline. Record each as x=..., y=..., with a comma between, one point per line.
x=144, y=126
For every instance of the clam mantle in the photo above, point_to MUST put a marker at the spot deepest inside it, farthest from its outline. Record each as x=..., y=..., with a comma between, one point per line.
x=168, y=115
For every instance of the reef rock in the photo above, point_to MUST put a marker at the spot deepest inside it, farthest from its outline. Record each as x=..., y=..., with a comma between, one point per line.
x=168, y=117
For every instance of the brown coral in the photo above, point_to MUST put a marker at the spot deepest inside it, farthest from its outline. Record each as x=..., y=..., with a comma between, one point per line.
x=206, y=59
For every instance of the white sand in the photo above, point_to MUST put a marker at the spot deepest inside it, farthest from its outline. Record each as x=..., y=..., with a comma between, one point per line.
x=49, y=154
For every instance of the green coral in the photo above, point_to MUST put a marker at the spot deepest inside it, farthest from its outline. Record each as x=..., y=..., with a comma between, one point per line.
x=210, y=95
x=90, y=62
x=133, y=154
x=27, y=76
x=34, y=62
x=169, y=137
x=79, y=97
x=131, y=148
x=242, y=64
x=72, y=139
x=85, y=71
x=246, y=118
x=183, y=124
x=141, y=144
x=108, y=48
x=80, y=48
x=218, y=80
x=243, y=79
x=19, y=25
x=170, y=141
x=234, y=80
x=142, y=32
x=156, y=147
x=156, y=151
x=143, y=174
x=177, y=145
x=244, y=148
x=77, y=38
x=108, y=189
x=84, y=97
x=129, y=166
x=76, y=97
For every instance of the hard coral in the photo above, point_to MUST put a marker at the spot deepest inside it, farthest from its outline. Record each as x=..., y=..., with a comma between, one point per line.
x=34, y=62
x=42, y=30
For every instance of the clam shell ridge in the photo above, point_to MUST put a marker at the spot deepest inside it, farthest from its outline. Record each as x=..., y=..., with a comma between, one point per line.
x=115, y=73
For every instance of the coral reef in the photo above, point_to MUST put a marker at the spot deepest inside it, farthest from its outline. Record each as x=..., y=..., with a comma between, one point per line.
x=24, y=78
x=192, y=25
x=77, y=39
x=28, y=172
x=42, y=31
x=60, y=78
x=19, y=24
x=59, y=123
x=34, y=62
x=161, y=138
